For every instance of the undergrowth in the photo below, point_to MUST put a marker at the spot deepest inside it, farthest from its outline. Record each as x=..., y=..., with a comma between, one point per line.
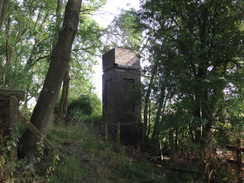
x=88, y=158
x=17, y=170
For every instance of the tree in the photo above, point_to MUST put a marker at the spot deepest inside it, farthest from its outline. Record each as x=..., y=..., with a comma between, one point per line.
x=123, y=32
x=65, y=86
x=3, y=10
x=59, y=61
x=26, y=45
x=146, y=106
x=87, y=45
x=199, y=47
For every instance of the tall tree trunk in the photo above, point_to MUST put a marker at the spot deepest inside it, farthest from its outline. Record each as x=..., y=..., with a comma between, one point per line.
x=8, y=52
x=65, y=87
x=149, y=119
x=60, y=56
x=58, y=20
x=156, y=129
x=3, y=10
x=171, y=145
x=64, y=97
x=146, y=104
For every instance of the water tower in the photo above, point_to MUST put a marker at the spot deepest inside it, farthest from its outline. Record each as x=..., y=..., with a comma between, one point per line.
x=121, y=94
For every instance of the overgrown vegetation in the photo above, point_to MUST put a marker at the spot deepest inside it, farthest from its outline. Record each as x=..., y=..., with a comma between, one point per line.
x=89, y=158
x=195, y=77
x=85, y=109
x=14, y=169
x=192, y=99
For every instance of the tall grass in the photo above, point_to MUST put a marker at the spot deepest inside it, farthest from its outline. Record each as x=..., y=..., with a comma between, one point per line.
x=89, y=158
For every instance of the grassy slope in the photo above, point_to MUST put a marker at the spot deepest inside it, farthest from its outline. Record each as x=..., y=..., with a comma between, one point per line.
x=90, y=159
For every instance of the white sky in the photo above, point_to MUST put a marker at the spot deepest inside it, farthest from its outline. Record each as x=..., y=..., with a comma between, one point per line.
x=104, y=17
x=112, y=8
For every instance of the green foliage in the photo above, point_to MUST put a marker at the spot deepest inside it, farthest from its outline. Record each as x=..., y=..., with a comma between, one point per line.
x=26, y=44
x=138, y=170
x=196, y=50
x=71, y=171
x=16, y=170
x=87, y=47
x=85, y=109
x=91, y=159
x=123, y=31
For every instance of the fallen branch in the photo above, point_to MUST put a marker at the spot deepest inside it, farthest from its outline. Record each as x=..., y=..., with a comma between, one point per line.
x=39, y=135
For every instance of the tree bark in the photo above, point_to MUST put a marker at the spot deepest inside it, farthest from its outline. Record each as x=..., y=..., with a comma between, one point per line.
x=3, y=10
x=156, y=129
x=172, y=146
x=65, y=87
x=146, y=104
x=64, y=97
x=58, y=20
x=60, y=56
x=8, y=53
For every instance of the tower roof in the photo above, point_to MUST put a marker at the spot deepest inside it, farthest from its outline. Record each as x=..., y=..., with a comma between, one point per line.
x=121, y=57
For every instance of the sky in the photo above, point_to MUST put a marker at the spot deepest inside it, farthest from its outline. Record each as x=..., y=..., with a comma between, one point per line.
x=106, y=14
x=104, y=17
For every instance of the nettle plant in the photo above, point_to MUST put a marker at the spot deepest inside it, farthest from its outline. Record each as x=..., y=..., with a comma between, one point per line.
x=10, y=166
x=13, y=169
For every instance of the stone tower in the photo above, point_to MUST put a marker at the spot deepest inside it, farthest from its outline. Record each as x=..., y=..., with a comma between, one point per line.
x=121, y=94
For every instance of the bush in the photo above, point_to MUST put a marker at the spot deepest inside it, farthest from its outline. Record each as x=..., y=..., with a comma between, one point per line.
x=14, y=169
x=86, y=109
